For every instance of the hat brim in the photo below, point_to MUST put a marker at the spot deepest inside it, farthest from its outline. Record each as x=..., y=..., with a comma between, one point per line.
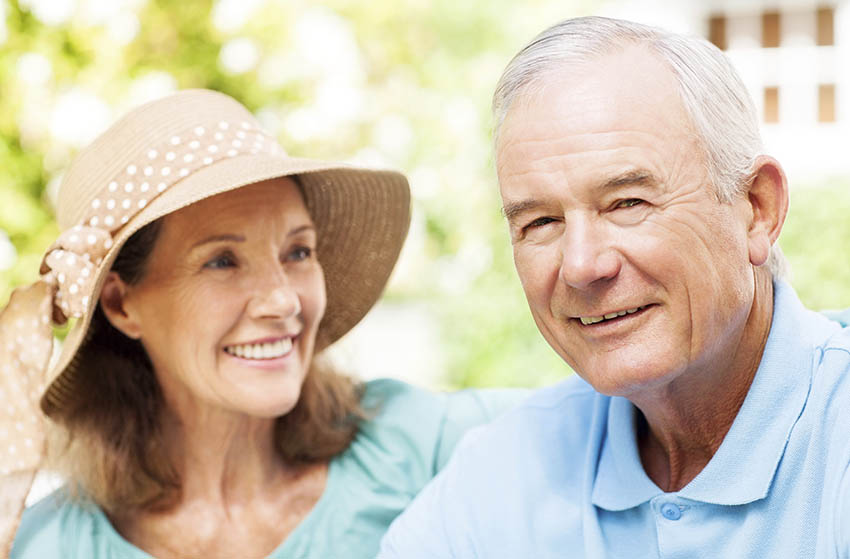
x=361, y=217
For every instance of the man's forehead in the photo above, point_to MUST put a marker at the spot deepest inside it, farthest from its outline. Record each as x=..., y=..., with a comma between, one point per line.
x=596, y=120
x=602, y=92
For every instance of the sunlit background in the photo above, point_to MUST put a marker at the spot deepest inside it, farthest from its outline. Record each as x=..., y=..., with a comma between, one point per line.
x=406, y=84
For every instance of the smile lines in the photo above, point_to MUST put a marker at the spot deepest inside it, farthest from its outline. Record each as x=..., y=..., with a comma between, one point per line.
x=268, y=350
x=588, y=320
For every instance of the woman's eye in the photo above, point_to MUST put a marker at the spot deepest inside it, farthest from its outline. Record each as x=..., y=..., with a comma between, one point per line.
x=220, y=262
x=630, y=203
x=299, y=253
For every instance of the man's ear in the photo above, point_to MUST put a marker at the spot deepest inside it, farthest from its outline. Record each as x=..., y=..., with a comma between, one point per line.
x=113, y=301
x=768, y=198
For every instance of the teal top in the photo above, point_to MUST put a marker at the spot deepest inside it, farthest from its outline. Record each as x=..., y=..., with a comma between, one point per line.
x=396, y=452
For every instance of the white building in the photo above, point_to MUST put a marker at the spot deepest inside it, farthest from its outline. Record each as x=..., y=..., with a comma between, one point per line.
x=793, y=55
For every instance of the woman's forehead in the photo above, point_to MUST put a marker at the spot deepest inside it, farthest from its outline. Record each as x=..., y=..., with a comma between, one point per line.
x=276, y=202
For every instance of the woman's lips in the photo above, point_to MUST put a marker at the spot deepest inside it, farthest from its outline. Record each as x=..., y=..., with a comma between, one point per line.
x=262, y=351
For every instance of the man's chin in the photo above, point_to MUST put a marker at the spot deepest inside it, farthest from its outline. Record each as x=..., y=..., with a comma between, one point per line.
x=627, y=375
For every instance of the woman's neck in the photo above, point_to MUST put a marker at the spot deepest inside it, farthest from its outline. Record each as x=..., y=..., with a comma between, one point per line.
x=237, y=498
x=223, y=458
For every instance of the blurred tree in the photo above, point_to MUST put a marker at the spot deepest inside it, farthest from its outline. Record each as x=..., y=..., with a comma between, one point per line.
x=816, y=239
x=399, y=83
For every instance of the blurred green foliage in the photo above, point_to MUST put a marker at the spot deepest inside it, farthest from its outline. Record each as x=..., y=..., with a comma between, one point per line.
x=816, y=239
x=402, y=83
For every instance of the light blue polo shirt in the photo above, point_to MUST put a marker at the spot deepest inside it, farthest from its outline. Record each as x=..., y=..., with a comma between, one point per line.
x=560, y=476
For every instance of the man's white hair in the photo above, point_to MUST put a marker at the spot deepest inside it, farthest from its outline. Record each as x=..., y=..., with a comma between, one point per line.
x=714, y=97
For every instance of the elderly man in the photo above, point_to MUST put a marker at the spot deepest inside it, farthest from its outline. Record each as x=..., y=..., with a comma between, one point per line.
x=712, y=413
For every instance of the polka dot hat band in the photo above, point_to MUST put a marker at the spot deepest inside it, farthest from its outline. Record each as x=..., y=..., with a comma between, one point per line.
x=159, y=158
x=69, y=265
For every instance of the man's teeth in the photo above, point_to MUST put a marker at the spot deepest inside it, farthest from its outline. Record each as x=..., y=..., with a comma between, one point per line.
x=587, y=320
x=271, y=350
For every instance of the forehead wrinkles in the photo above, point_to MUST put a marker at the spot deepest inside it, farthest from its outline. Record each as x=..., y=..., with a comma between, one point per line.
x=596, y=157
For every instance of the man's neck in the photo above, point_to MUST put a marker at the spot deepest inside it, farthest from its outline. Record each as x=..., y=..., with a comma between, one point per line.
x=683, y=423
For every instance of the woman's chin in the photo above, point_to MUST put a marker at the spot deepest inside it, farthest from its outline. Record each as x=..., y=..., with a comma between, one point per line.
x=270, y=406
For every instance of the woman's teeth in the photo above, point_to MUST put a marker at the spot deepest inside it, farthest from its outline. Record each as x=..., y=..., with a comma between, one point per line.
x=271, y=350
x=587, y=320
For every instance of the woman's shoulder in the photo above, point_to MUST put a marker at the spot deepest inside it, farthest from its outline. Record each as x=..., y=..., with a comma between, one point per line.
x=422, y=427
x=386, y=400
x=47, y=525
x=62, y=526
x=403, y=423
x=394, y=400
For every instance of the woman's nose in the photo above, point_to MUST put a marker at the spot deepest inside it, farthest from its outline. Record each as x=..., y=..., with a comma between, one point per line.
x=276, y=298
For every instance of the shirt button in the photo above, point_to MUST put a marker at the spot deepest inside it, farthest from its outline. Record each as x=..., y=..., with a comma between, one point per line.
x=671, y=511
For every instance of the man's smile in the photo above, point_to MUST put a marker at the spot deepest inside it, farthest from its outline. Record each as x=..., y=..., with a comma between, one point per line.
x=588, y=320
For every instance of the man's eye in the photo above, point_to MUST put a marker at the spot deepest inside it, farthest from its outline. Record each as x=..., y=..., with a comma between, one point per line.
x=539, y=222
x=221, y=262
x=631, y=202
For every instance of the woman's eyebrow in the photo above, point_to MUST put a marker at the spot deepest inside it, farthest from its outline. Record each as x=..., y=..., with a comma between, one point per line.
x=230, y=237
x=301, y=229
x=227, y=237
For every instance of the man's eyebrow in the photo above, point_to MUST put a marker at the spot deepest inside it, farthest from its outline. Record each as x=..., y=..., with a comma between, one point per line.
x=638, y=177
x=512, y=209
x=630, y=178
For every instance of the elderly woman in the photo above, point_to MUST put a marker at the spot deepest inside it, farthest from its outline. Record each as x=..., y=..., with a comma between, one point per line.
x=204, y=269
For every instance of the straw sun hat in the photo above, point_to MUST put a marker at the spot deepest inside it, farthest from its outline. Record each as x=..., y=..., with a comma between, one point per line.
x=166, y=155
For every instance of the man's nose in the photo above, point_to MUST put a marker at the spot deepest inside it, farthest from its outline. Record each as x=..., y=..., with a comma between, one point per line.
x=587, y=255
x=274, y=297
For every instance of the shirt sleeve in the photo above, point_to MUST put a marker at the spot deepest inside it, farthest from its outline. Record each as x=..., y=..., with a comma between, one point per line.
x=842, y=317
x=433, y=526
x=58, y=526
x=842, y=517
x=41, y=530
x=470, y=408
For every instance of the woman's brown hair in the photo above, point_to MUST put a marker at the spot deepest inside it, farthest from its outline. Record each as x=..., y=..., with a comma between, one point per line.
x=113, y=450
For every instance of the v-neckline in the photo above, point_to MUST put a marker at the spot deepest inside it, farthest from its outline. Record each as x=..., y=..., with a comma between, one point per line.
x=134, y=552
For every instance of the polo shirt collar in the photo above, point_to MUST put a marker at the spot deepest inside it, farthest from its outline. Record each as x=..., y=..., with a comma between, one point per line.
x=742, y=469
x=621, y=482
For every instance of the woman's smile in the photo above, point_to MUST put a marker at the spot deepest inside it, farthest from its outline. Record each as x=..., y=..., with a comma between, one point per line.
x=261, y=351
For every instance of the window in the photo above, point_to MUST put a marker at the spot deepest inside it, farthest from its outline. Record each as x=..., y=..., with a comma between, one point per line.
x=771, y=105
x=826, y=103
x=717, y=31
x=770, y=29
x=825, y=27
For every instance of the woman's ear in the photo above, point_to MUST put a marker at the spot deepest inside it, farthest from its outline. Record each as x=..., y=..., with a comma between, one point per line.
x=113, y=301
x=768, y=198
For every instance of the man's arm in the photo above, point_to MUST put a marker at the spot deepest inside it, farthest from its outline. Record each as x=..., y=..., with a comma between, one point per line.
x=842, y=317
x=470, y=408
x=842, y=517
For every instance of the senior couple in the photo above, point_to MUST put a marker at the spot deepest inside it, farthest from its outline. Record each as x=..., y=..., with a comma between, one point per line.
x=205, y=271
